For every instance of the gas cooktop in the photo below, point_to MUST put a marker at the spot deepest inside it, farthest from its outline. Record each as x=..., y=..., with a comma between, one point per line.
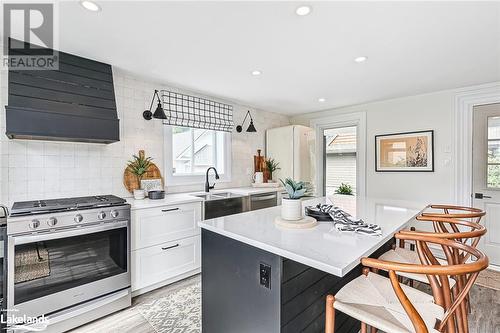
x=65, y=204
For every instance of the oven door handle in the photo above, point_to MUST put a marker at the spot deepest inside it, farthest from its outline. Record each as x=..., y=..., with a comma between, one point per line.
x=32, y=238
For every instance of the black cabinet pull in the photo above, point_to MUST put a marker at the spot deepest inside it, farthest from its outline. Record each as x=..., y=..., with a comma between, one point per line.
x=169, y=247
x=169, y=210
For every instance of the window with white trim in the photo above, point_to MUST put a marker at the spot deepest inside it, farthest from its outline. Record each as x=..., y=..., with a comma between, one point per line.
x=190, y=151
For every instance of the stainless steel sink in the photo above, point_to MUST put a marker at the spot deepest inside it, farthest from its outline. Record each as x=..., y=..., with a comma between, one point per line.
x=217, y=195
x=227, y=195
x=208, y=196
x=222, y=204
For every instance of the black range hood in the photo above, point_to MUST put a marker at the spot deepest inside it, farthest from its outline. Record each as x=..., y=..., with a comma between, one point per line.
x=74, y=103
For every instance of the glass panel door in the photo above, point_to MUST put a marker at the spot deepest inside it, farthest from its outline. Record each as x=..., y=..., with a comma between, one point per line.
x=50, y=266
x=339, y=164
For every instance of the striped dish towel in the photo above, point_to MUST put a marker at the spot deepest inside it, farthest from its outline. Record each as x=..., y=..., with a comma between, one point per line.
x=344, y=221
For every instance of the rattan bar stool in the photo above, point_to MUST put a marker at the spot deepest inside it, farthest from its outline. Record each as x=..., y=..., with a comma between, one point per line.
x=456, y=212
x=385, y=304
x=470, y=234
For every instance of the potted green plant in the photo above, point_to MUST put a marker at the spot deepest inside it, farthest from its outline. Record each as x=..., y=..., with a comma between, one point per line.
x=344, y=189
x=291, y=206
x=139, y=165
x=272, y=166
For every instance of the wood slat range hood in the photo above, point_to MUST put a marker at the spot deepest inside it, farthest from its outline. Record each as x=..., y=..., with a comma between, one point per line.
x=74, y=103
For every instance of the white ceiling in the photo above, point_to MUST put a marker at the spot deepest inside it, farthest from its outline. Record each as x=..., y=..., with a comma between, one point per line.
x=211, y=47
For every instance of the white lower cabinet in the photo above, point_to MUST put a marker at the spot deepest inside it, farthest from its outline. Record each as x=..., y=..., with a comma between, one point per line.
x=166, y=245
x=164, y=262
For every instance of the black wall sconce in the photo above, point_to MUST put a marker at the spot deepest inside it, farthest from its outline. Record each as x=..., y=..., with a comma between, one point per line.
x=159, y=112
x=251, y=127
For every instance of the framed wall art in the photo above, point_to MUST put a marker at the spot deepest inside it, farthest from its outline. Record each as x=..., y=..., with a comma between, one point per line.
x=405, y=152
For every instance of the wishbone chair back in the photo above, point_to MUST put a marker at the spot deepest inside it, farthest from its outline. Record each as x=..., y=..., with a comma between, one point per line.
x=455, y=317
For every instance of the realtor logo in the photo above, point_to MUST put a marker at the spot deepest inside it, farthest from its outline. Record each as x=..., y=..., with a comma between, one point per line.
x=29, y=36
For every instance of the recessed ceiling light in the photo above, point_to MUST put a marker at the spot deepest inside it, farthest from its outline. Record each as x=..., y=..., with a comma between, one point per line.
x=256, y=72
x=321, y=100
x=303, y=10
x=90, y=5
x=361, y=59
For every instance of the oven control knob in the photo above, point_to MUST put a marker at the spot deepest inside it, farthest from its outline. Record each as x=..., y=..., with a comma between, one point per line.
x=78, y=218
x=114, y=213
x=34, y=224
x=101, y=215
x=52, y=221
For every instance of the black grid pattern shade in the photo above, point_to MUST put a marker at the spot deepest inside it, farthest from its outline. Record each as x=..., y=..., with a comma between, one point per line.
x=196, y=112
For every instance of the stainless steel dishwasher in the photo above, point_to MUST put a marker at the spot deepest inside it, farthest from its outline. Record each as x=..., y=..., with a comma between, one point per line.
x=263, y=200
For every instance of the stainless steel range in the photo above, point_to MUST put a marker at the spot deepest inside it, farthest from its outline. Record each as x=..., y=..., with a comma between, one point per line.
x=68, y=259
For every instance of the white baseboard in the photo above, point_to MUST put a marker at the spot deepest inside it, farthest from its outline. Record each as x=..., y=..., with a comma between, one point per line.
x=141, y=291
x=494, y=268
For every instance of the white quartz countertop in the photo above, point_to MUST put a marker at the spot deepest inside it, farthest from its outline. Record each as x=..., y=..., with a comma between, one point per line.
x=170, y=199
x=180, y=198
x=321, y=247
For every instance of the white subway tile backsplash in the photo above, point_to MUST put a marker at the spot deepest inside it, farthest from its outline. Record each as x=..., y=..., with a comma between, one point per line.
x=35, y=173
x=52, y=148
x=35, y=187
x=34, y=148
x=41, y=170
x=17, y=187
x=17, y=148
x=16, y=161
x=18, y=174
x=67, y=161
x=51, y=161
x=35, y=161
x=51, y=173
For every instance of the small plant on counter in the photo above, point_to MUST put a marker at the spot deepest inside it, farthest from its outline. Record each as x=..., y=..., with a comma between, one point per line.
x=272, y=166
x=139, y=165
x=291, y=207
x=295, y=190
x=345, y=189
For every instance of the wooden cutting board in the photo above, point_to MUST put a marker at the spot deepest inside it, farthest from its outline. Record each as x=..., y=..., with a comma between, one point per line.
x=130, y=180
x=258, y=162
x=259, y=165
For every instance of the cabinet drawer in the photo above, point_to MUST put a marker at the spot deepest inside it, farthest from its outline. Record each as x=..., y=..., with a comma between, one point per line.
x=158, y=225
x=162, y=262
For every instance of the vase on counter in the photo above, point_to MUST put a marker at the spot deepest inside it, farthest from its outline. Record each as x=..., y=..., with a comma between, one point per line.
x=291, y=209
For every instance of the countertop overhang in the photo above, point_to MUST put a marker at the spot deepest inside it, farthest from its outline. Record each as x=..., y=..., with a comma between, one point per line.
x=321, y=247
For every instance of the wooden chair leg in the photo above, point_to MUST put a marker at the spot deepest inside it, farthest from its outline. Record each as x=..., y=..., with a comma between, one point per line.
x=330, y=315
x=364, y=328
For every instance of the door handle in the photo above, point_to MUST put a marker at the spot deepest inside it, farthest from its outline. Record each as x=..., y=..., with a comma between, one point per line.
x=169, y=247
x=481, y=196
x=169, y=210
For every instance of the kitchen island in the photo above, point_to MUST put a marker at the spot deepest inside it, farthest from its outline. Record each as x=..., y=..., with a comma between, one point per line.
x=257, y=277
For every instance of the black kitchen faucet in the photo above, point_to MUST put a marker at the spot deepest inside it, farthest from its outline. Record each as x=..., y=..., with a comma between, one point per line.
x=207, y=185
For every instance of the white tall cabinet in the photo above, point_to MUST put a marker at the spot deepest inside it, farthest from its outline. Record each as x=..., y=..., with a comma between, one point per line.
x=293, y=147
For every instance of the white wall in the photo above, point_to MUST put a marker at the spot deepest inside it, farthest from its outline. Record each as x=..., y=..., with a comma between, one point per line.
x=41, y=170
x=422, y=112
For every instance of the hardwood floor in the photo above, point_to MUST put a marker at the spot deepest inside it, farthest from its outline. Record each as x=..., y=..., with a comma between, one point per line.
x=485, y=316
x=489, y=279
x=131, y=320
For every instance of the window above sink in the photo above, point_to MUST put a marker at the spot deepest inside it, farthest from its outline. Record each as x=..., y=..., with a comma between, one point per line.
x=190, y=151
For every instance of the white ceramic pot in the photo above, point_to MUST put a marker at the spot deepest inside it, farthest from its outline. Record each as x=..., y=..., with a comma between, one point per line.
x=139, y=194
x=291, y=209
